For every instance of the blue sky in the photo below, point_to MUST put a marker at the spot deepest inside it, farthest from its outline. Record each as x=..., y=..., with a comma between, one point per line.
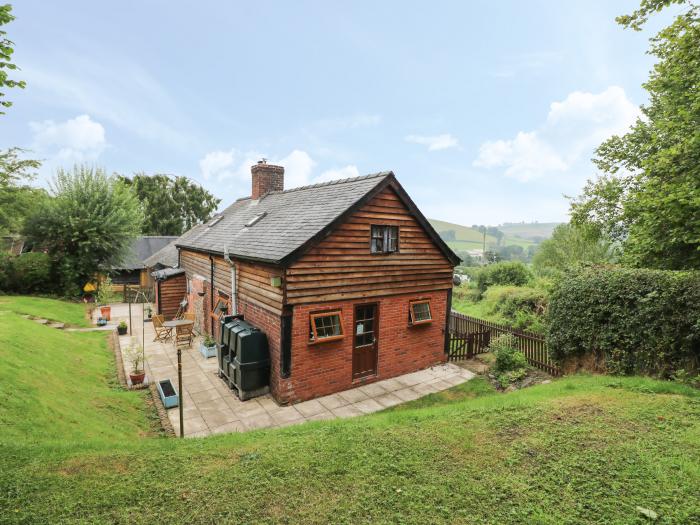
x=486, y=111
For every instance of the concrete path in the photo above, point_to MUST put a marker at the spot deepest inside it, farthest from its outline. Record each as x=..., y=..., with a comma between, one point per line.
x=210, y=407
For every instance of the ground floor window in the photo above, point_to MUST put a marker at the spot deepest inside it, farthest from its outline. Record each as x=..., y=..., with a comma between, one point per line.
x=325, y=326
x=126, y=277
x=419, y=312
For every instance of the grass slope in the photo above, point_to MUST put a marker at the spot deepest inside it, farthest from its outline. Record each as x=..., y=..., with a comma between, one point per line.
x=467, y=238
x=73, y=314
x=58, y=386
x=528, y=230
x=579, y=450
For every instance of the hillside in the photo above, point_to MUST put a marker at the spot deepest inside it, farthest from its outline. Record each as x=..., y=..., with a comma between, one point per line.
x=467, y=238
x=583, y=449
x=529, y=230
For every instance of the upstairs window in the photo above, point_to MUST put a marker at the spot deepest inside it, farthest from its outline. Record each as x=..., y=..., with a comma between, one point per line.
x=419, y=312
x=325, y=326
x=385, y=239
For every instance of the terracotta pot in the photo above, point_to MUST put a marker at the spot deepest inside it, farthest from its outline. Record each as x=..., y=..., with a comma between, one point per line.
x=106, y=312
x=137, y=379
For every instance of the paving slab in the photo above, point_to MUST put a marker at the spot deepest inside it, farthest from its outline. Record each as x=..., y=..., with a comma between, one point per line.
x=211, y=407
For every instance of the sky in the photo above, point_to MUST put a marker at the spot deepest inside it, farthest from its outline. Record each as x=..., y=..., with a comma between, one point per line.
x=487, y=112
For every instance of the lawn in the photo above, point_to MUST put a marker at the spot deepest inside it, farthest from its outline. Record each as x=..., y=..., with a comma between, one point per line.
x=73, y=314
x=582, y=449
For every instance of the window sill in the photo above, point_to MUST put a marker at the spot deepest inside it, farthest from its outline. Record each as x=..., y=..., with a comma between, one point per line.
x=420, y=323
x=326, y=340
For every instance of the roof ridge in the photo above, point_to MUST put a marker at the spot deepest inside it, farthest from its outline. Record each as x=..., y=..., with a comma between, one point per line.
x=332, y=182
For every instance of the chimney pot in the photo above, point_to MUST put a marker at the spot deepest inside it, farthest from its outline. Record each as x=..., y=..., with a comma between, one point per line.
x=266, y=178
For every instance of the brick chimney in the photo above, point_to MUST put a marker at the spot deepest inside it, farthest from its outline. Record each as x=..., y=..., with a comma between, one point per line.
x=266, y=178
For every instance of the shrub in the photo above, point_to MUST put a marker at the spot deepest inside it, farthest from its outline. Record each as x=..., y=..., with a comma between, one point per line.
x=635, y=320
x=32, y=273
x=520, y=307
x=6, y=271
x=508, y=357
x=511, y=272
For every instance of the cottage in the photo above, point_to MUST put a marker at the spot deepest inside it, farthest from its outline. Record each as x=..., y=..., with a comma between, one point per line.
x=348, y=280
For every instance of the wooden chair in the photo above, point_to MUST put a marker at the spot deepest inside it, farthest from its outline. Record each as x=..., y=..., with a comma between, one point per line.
x=189, y=317
x=183, y=335
x=163, y=334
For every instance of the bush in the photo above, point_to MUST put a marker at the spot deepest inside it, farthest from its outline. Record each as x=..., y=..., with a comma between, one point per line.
x=32, y=273
x=503, y=273
x=521, y=307
x=6, y=271
x=508, y=357
x=633, y=320
x=26, y=274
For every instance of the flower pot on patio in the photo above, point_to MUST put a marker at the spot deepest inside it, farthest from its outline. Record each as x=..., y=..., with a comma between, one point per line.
x=137, y=378
x=207, y=347
x=122, y=328
x=106, y=312
x=168, y=394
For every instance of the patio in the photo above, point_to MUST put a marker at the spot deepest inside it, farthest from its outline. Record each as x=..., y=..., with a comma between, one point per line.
x=210, y=407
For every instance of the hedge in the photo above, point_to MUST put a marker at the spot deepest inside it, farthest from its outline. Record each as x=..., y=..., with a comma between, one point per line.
x=636, y=321
x=28, y=273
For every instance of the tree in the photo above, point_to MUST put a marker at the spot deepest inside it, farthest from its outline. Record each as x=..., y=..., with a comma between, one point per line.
x=6, y=50
x=648, y=196
x=18, y=200
x=172, y=205
x=88, y=226
x=571, y=246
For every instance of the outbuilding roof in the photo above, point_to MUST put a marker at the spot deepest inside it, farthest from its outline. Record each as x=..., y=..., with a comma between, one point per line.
x=141, y=249
x=280, y=225
x=166, y=257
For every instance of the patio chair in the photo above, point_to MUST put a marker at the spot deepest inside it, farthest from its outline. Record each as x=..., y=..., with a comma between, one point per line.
x=189, y=316
x=163, y=334
x=183, y=335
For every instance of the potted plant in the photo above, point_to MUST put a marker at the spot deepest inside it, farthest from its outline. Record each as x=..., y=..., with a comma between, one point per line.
x=122, y=327
x=104, y=297
x=136, y=357
x=149, y=313
x=208, y=347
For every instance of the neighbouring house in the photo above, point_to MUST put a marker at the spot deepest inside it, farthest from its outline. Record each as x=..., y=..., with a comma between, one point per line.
x=133, y=270
x=348, y=280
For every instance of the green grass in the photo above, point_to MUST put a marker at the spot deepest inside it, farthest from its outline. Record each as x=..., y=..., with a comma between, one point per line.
x=73, y=314
x=584, y=449
x=467, y=238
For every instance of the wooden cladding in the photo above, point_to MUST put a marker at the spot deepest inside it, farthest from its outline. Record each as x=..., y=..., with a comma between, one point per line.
x=342, y=266
x=253, y=280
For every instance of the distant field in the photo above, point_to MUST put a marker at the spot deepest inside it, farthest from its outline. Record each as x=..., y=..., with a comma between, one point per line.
x=529, y=230
x=467, y=238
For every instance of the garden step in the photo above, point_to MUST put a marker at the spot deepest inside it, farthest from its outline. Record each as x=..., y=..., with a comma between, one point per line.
x=59, y=326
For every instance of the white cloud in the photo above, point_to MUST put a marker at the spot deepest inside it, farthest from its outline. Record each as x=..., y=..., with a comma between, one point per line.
x=435, y=142
x=298, y=167
x=567, y=138
x=339, y=173
x=75, y=140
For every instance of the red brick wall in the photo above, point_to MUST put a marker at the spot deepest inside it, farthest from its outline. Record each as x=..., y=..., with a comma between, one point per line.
x=326, y=368
x=269, y=323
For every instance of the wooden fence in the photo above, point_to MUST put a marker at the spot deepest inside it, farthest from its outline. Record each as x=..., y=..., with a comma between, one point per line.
x=470, y=336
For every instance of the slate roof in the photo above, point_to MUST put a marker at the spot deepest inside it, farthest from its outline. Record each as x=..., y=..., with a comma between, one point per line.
x=165, y=273
x=141, y=249
x=166, y=257
x=291, y=219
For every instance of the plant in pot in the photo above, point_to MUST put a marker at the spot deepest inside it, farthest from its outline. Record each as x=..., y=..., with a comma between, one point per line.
x=149, y=313
x=104, y=297
x=207, y=347
x=122, y=327
x=136, y=357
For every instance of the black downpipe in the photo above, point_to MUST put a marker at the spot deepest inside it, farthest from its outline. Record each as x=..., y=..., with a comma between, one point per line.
x=160, y=305
x=211, y=293
x=448, y=313
x=286, y=346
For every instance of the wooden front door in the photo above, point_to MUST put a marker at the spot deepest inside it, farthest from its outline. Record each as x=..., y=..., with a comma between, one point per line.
x=365, y=337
